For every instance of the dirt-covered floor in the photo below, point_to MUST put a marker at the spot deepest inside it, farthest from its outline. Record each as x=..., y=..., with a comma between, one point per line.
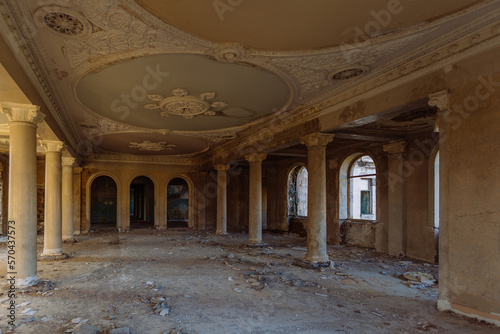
x=184, y=281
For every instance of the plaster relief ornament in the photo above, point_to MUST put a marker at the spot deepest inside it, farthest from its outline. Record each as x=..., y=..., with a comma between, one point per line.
x=187, y=106
x=147, y=145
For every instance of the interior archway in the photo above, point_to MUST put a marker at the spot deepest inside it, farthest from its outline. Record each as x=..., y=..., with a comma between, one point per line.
x=177, y=203
x=142, y=203
x=103, y=203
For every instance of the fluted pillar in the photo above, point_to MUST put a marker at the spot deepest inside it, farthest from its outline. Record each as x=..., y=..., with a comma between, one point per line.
x=316, y=196
x=67, y=199
x=221, y=198
x=22, y=190
x=255, y=198
x=52, y=236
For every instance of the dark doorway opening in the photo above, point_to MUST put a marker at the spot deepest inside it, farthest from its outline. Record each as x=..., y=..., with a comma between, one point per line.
x=103, y=203
x=142, y=203
x=177, y=203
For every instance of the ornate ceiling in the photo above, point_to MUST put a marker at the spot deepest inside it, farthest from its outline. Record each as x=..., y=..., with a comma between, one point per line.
x=178, y=78
x=286, y=25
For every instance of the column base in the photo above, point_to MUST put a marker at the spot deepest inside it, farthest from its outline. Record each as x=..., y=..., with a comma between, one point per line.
x=47, y=252
x=257, y=244
x=161, y=228
x=312, y=265
x=69, y=240
x=52, y=257
x=222, y=233
x=26, y=282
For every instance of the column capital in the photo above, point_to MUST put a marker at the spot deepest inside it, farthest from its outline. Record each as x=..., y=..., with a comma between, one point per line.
x=317, y=139
x=18, y=112
x=52, y=145
x=255, y=157
x=77, y=170
x=68, y=161
x=222, y=167
x=439, y=100
x=395, y=147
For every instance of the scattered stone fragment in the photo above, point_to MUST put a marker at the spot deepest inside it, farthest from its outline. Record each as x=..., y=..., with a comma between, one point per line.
x=76, y=320
x=23, y=304
x=419, y=277
x=86, y=329
x=28, y=311
x=237, y=290
x=121, y=330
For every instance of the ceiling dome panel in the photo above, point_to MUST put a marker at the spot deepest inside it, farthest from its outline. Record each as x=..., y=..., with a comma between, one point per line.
x=181, y=92
x=297, y=24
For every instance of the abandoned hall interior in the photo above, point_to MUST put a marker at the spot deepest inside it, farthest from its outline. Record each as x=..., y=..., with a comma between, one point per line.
x=344, y=125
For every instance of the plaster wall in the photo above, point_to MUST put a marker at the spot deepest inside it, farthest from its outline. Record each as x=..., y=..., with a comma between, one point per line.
x=469, y=193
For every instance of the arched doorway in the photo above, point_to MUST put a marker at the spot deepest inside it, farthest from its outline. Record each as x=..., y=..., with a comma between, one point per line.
x=297, y=200
x=297, y=192
x=177, y=203
x=142, y=203
x=103, y=203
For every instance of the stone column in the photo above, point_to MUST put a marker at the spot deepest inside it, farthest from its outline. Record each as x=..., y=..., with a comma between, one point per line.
x=255, y=198
x=316, y=196
x=221, y=198
x=77, y=200
x=52, y=235
x=396, y=224
x=443, y=126
x=67, y=199
x=22, y=189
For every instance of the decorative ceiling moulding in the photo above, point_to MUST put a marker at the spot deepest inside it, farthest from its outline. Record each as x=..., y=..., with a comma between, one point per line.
x=117, y=30
x=62, y=21
x=129, y=158
x=229, y=53
x=15, y=37
x=348, y=73
x=382, y=81
x=148, y=145
x=98, y=126
x=312, y=70
x=184, y=105
x=398, y=72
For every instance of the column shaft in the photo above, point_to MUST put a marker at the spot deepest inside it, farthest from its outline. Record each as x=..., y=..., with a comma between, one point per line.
x=255, y=204
x=316, y=205
x=221, y=199
x=316, y=196
x=22, y=191
x=67, y=199
x=53, y=204
x=23, y=201
x=396, y=224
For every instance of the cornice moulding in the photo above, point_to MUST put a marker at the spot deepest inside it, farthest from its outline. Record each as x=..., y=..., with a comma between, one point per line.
x=340, y=100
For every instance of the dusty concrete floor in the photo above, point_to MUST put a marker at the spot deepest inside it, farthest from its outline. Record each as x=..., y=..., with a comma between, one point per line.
x=218, y=285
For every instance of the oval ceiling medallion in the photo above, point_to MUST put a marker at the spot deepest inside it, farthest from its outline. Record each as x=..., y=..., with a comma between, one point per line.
x=182, y=104
x=349, y=73
x=63, y=21
x=140, y=143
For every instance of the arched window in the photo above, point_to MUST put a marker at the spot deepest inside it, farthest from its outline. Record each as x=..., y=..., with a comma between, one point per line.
x=297, y=192
x=362, y=189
